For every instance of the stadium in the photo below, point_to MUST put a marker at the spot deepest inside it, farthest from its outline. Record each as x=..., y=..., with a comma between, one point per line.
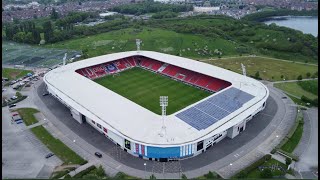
x=118, y=94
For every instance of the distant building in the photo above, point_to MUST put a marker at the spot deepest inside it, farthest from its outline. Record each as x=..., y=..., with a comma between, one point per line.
x=102, y=15
x=205, y=9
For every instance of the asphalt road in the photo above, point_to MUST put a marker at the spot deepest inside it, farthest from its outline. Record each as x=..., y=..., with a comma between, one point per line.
x=218, y=151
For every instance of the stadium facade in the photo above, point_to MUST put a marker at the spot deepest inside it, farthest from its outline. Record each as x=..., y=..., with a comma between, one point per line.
x=138, y=131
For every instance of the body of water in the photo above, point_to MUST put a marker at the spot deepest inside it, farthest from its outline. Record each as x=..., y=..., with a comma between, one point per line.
x=306, y=24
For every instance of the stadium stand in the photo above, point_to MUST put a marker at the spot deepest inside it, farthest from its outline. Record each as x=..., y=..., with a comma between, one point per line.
x=185, y=75
x=212, y=110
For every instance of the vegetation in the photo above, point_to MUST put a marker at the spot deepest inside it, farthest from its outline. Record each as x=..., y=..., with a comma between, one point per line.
x=144, y=88
x=121, y=175
x=59, y=174
x=164, y=14
x=91, y=173
x=14, y=73
x=307, y=90
x=288, y=161
x=27, y=114
x=222, y=36
x=254, y=172
x=309, y=86
x=294, y=140
x=265, y=15
x=150, y=7
x=210, y=175
x=269, y=69
x=56, y=146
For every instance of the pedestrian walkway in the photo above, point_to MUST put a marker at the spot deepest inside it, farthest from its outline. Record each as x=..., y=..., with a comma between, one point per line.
x=83, y=167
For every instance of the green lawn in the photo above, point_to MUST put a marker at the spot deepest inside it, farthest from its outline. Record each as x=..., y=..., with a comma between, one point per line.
x=294, y=140
x=310, y=86
x=144, y=88
x=295, y=89
x=14, y=73
x=269, y=69
x=57, y=147
x=27, y=115
x=153, y=39
x=254, y=174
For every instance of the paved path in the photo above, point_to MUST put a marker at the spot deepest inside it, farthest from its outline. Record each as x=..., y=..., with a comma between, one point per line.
x=83, y=167
x=286, y=81
x=307, y=149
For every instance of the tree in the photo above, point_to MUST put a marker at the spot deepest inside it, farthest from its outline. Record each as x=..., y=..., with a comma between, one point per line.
x=281, y=76
x=48, y=31
x=152, y=177
x=183, y=176
x=210, y=175
x=266, y=173
x=308, y=74
x=257, y=75
x=54, y=14
x=67, y=176
x=288, y=161
x=299, y=77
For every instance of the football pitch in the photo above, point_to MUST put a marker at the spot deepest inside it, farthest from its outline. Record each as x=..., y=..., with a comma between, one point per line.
x=144, y=88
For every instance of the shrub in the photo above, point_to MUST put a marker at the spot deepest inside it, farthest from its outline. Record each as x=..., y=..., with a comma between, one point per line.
x=299, y=77
x=18, y=94
x=152, y=177
x=183, y=176
x=209, y=175
x=273, y=151
x=67, y=176
x=308, y=74
x=84, y=172
x=242, y=175
x=266, y=173
x=288, y=161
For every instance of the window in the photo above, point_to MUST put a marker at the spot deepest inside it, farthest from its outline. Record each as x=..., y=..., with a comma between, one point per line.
x=199, y=145
x=217, y=137
x=93, y=122
x=105, y=130
x=99, y=126
x=127, y=144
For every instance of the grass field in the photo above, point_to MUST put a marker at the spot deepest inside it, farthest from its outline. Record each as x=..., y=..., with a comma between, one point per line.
x=27, y=115
x=144, y=88
x=153, y=39
x=57, y=147
x=269, y=69
x=14, y=73
x=295, y=89
x=292, y=143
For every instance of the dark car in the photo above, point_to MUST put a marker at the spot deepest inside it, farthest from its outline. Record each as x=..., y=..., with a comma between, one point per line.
x=284, y=97
x=45, y=94
x=99, y=155
x=49, y=155
x=12, y=105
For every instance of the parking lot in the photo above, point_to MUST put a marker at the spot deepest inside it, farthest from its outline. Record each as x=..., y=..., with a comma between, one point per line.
x=23, y=154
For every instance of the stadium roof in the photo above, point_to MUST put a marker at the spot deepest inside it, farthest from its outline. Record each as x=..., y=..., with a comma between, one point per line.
x=136, y=123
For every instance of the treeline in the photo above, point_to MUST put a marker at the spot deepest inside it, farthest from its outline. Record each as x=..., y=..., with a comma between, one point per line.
x=150, y=7
x=164, y=14
x=24, y=32
x=75, y=17
x=266, y=15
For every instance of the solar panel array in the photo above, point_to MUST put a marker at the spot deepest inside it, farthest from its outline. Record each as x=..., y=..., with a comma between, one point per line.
x=210, y=111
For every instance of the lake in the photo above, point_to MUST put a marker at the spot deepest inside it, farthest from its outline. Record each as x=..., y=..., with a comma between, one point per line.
x=306, y=24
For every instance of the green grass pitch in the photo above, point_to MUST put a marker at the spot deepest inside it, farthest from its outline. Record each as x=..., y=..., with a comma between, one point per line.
x=144, y=88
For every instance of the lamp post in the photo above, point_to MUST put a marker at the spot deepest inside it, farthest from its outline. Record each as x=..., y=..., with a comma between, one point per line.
x=145, y=169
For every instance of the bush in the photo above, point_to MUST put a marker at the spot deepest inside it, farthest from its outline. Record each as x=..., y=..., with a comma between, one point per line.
x=84, y=172
x=299, y=77
x=67, y=176
x=84, y=162
x=18, y=94
x=308, y=74
x=152, y=177
x=266, y=173
x=288, y=161
x=273, y=151
x=183, y=176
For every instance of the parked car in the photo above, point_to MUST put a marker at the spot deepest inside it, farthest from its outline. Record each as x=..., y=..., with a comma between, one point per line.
x=12, y=105
x=49, y=155
x=99, y=155
x=15, y=114
x=45, y=94
x=14, y=97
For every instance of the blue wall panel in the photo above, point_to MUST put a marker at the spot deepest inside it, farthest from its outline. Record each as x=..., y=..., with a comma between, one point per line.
x=156, y=152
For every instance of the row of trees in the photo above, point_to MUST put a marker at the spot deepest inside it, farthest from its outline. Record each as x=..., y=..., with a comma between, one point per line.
x=151, y=7
x=24, y=32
